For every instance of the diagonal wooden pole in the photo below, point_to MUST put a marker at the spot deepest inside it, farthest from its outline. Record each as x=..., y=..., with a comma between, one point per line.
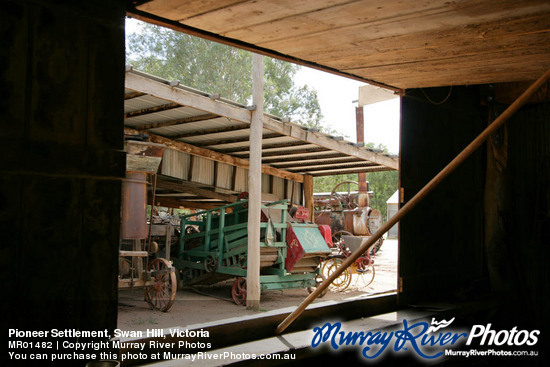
x=457, y=161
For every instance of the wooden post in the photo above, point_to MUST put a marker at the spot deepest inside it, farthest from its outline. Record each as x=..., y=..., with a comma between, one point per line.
x=308, y=195
x=457, y=161
x=360, y=129
x=255, y=186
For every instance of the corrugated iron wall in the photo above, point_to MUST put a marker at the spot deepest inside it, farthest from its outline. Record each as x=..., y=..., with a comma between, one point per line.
x=205, y=171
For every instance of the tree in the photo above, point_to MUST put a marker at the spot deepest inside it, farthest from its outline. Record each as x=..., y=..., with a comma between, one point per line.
x=219, y=69
x=383, y=184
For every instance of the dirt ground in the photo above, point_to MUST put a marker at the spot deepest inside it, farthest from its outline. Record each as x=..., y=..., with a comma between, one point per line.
x=206, y=304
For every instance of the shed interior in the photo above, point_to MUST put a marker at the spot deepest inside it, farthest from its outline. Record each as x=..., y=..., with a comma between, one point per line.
x=478, y=242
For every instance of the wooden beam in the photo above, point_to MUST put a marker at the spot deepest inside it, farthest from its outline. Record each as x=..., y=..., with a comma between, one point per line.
x=216, y=130
x=308, y=195
x=154, y=109
x=184, y=97
x=187, y=120
x=242, y=150
x=220, y=157
x=210, y=143
x=133, y=95
x=255, y=186
x=190, y=187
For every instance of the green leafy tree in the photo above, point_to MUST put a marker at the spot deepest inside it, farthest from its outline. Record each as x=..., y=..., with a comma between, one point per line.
x=219, y=69
x=383, y=184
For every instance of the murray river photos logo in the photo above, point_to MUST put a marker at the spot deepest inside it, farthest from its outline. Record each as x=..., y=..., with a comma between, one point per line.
x=427, y=341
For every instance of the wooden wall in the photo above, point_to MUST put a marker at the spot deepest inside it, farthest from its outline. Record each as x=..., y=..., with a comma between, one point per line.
x=441, y=240
x=518, y=217
x=62, y=85
x=483, y=235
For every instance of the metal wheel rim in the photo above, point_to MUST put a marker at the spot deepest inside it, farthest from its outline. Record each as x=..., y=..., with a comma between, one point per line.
x=342, y=282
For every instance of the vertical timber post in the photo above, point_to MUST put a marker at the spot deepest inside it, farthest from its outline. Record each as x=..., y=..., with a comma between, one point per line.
x=308, y=195
x=360, y=126
x=255, y=185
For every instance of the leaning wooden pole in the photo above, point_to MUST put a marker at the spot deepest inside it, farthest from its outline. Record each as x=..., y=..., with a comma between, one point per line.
x=457, y=161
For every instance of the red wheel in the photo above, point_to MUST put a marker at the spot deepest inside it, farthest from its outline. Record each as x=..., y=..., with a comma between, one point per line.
x=162, y=293
x=238, y=291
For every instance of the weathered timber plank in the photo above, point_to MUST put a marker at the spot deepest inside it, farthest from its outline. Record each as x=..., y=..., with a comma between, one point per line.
x=433, y=19
x=183, y=9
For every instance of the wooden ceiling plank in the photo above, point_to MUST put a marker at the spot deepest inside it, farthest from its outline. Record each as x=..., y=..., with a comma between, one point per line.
x=500, y=67
x=428, y=20
x=476, y=39
x=336, y=18
x=183, y=9
x=251, y=13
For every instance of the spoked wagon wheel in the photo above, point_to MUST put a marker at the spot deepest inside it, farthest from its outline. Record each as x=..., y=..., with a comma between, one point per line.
x=367, y=274
x=319, y=278
x=162, y=293
x=330, y=266
x=238, y=291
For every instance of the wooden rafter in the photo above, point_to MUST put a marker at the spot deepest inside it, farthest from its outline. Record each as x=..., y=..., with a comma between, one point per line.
x=241, y=150
x=211, y=143
x=211, y=131
x=154, y=109
x=187, y=120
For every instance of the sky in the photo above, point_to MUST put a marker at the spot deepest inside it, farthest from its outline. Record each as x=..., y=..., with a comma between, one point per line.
x=337, y=98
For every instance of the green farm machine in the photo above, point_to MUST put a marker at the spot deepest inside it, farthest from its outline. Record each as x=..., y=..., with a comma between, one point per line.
x=213, y=247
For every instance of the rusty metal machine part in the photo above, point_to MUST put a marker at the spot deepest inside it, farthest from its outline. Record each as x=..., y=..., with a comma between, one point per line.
x=134, y=206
